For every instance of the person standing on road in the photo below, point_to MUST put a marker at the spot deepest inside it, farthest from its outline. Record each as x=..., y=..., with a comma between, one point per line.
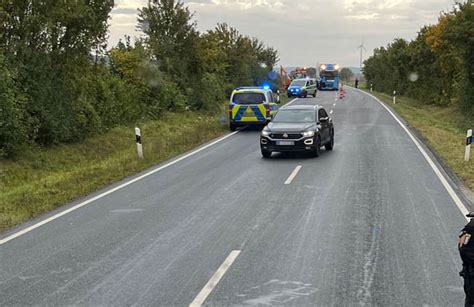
x=466, y=251
x=356, y=83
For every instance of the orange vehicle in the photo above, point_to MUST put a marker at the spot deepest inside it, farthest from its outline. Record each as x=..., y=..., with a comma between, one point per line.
x=287, y=78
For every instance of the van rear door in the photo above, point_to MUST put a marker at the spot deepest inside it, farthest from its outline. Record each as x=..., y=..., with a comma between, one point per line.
x=248, y=107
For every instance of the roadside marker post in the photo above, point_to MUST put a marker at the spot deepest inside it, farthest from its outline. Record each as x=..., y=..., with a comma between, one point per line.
x=371, y=87
x=469, y=140
x=138, y=140
x=394, y=97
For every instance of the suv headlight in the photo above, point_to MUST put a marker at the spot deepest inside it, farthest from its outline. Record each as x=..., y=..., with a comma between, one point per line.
x=308, y=133
x=265, y=132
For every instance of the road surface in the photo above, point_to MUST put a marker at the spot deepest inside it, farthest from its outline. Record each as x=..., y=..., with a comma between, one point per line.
x=368, y=223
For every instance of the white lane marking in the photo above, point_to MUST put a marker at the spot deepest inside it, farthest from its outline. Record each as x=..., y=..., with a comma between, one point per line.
x=290, y=102
x=212, y=283
x=330, y=112
x=436, y=170
x=334, y=104
x=293, y=174
x=58, y=215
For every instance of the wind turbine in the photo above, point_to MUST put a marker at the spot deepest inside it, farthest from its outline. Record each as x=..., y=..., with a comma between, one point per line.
x=362, y=48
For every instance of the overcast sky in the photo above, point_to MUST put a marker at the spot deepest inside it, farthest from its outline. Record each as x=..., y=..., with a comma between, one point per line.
x=304, y=32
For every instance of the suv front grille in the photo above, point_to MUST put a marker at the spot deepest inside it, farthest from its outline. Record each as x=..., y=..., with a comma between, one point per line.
x=291, y=136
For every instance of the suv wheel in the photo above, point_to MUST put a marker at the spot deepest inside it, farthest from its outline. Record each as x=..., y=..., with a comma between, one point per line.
x=232, y=127
x=317, y=148
x=266, y=153
x=330, y=145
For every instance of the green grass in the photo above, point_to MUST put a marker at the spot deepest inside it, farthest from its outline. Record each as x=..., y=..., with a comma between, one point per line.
x=443, y=128
x=284, y=99
x=41, y=179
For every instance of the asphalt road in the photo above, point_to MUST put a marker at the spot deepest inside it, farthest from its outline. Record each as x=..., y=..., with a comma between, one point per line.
x=368, y=223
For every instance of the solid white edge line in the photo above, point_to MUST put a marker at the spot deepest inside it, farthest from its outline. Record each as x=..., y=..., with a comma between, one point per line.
x=212, y=283
x=293, y=174
x=436, y=170
x=84, y=203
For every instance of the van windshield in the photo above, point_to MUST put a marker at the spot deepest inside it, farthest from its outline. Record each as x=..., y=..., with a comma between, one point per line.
x=248, y=98
x=298, y=83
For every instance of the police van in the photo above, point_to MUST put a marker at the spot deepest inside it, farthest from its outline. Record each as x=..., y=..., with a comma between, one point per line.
x=302, y=88
x=252, y=106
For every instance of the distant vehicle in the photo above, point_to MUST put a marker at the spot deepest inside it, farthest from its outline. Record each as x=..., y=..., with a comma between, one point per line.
x=329, y=77
x=302, y=88
x=298, y=128
x=252, y=106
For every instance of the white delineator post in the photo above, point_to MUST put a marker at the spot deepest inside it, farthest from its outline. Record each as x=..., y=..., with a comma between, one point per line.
x=468, y=145
x=138, y=140
x=371, y=87
x=394, y=97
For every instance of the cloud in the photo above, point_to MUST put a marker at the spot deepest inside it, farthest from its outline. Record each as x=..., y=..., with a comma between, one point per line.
x=305, y=31
x=124, y=10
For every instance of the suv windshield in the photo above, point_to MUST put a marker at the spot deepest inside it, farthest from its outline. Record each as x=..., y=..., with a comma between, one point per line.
x=295, y=116
x=298, y=83
x=248, y=98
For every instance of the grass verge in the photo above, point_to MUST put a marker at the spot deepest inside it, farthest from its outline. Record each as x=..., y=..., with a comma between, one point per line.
x=42, y=179
x=443, y=128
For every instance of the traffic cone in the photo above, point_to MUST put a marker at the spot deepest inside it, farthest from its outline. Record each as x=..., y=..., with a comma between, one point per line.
x=341, y=91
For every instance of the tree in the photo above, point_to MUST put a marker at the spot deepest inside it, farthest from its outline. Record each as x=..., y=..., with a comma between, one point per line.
x=248, y=60
x=346, y=74
x=171, y=37
x=13, y=117
x=312, y=72
x=50, y=43
x=58, y=82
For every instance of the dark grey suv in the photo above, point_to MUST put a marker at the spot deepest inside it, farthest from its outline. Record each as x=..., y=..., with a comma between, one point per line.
x=298, y=128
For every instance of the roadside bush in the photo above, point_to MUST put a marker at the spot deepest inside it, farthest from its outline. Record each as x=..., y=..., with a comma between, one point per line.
x=210, y=93
x=117, y=101
x=13, y=117
x=164, y=97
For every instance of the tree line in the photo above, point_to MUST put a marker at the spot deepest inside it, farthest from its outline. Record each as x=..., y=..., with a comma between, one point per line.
x=437, y=67
x=60, y=82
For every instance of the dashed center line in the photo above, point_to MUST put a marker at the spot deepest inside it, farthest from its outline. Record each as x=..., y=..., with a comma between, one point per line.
x=293, y=174
x=334, y=104
x=330, y=112
x=212, y=283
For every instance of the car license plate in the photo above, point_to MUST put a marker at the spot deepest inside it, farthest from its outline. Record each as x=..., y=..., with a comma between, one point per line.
x=285, y=143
